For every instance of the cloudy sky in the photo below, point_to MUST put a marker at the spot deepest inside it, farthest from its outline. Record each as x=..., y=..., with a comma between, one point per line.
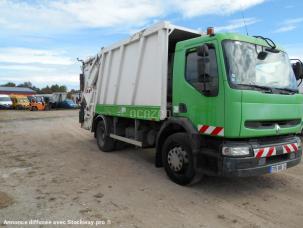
x=41, y=39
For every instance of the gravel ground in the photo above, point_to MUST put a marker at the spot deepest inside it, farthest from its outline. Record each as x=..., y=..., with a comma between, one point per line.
x=51, y=170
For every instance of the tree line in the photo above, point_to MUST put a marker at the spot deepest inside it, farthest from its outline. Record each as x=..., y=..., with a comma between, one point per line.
x=45, y=90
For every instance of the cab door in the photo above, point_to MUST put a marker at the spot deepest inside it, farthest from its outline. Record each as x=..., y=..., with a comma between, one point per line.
x=198, y=91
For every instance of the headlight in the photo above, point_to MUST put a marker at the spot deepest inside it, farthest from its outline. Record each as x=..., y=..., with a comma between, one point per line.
x=235, y=151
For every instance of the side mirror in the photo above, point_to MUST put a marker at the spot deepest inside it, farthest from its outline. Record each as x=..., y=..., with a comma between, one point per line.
x=203, y=69
x=262, y=55
x=298, y=70
x=203, y=65
x=203, y=51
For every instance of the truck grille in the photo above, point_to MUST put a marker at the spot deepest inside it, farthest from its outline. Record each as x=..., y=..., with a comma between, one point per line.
x=277, y=158
x=270, y=124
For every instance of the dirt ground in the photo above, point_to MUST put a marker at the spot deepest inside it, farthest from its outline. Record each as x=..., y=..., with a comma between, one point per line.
x=52, y=170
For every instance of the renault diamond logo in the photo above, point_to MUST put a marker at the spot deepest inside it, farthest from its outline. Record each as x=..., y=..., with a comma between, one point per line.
x=278, y=128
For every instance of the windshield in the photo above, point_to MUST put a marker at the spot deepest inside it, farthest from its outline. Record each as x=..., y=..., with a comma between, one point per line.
x=244, y=67
x=5, y=99
x=22, y=100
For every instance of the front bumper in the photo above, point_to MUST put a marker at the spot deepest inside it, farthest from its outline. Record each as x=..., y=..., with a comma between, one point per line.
x=2, y=107
x=22, y=107
x=251, y=166
x=264, y=154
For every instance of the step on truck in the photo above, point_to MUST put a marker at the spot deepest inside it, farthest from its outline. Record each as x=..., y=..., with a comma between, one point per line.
x=211, y=104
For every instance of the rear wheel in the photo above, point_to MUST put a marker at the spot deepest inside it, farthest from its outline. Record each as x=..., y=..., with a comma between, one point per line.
x=105, y=143
x=178, y=159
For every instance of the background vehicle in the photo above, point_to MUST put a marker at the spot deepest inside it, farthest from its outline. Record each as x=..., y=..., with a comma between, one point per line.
x=37, y=103
x=67, y=104
x=20, y=102
x=5, y=102
x=47, y=98
x=55, y=99
x=216, y=104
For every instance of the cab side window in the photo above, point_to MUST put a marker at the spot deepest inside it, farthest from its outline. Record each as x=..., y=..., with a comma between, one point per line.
x=208, y=81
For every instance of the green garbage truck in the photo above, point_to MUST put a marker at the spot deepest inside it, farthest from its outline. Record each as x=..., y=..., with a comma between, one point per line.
x=209, y=103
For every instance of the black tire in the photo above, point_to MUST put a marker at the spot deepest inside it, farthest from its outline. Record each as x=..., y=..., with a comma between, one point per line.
x=105, y=143
x=178, y=142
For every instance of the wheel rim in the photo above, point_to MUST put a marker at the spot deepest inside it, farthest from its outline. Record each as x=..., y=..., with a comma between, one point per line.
x=177, y=159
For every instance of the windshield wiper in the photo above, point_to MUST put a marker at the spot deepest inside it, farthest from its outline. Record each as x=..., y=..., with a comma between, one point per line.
x=290, y=91
x=264, y=88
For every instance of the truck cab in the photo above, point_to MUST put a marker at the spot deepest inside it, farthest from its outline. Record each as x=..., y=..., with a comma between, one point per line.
x=241, y=95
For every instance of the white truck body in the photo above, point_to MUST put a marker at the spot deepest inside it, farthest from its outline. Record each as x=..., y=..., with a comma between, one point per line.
x=133, y=72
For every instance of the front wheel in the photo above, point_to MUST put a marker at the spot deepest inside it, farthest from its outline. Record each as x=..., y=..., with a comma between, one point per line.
x=178, y=159
x=105, y=143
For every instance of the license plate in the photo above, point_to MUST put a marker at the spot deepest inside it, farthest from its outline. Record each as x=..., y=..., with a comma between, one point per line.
x=278, y=168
